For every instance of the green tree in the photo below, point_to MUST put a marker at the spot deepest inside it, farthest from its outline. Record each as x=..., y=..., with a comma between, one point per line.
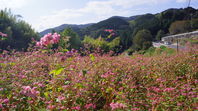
x=194, y=24
x=114, y=45
x=96, y=43
x=147, y=21
x=142, y=40
x=19, y=32
x=159, y=35
x=125, y=39
x=179, y=27
x=70, y=39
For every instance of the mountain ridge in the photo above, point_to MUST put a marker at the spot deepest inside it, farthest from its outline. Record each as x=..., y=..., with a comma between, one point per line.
x=120, y=22
x=81, y=26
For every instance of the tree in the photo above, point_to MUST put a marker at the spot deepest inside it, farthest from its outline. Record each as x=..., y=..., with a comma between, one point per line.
x=179, y=27
x=147, y=21
x=125, y=39
x=93, y=45
x=19, y=32
x=159, y=35
x=70, y=39
x=194, y=24
x=114, y=45
x=142, y=40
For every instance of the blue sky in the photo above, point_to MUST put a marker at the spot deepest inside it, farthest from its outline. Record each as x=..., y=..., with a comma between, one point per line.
x=43, y=14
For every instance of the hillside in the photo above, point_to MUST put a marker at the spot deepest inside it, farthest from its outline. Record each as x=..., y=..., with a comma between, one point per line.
x=60, y=28
x=125, y=29
x=152, y=22
x=92, y=26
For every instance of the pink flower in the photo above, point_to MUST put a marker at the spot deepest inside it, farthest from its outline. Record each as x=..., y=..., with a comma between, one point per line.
x=38, y=44
x=107, y=74
x=179, y=104
x=26, y=88
x=3, y=35
x=169, y=89
x=48, y=39
x=156, y=89
x=28, y=91
x=87, y=106
x=117, y=105
x=5, y=101
x=135, y=109
x=60, y=98
x=160, y=80
x=109, y=30
x=50, y=107
x=76, y=108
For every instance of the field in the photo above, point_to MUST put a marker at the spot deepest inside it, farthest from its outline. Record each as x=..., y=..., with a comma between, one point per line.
x=40, y=81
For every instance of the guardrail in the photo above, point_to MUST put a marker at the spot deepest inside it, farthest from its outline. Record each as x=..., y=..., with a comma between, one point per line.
x=177, y=36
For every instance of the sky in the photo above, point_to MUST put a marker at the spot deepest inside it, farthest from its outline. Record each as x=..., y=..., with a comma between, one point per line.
x=44, y=14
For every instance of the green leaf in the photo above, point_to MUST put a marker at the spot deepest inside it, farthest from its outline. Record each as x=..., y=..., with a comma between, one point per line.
x=3, y=38
x=64, y=50
x=12, y=63
x=56, y=71
x=46, y=94
x=92, y=57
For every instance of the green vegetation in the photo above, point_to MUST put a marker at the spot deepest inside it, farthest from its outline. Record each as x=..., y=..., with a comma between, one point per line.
x=100, y=43
x=152, y=51
x=20, y=34
x=69, y=40
x=126, y=32
x=142, y=40
x=191, y=41
x=159, y=35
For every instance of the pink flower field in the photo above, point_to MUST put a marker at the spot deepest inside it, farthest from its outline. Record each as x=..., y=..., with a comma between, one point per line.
x=40, y=81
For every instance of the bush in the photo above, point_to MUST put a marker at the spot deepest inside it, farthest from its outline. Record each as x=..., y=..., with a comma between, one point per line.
x=142, y=40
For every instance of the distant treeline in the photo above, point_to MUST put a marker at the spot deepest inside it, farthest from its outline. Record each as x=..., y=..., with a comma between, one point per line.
x=116, y=33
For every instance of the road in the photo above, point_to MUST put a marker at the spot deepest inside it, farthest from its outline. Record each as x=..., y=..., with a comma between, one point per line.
x=174, y=46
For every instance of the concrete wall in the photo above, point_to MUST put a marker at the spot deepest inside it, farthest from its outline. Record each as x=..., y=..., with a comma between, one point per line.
x=178, y=36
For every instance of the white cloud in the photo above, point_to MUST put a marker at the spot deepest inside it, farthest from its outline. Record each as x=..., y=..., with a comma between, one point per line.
x=93, y=11
x=13, y=4
x=181, y=1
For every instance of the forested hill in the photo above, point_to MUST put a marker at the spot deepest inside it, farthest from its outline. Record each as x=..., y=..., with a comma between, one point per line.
x=115, y=33
x=74, y=27
x=152, y=22
x=138, y=32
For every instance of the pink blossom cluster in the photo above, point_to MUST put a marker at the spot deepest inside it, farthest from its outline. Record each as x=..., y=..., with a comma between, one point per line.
x=88, y=106
x=3, y=101
x=111, y=31
x=48, y=39
x=107, y=74
x=117, y=106
x=135, y=109
x=76, y=108
x=3, y=35
x=28, y=91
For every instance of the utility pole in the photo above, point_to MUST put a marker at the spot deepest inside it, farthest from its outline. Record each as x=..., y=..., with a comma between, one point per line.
x=177, y=45
x=189, y=3
x=190, y=14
